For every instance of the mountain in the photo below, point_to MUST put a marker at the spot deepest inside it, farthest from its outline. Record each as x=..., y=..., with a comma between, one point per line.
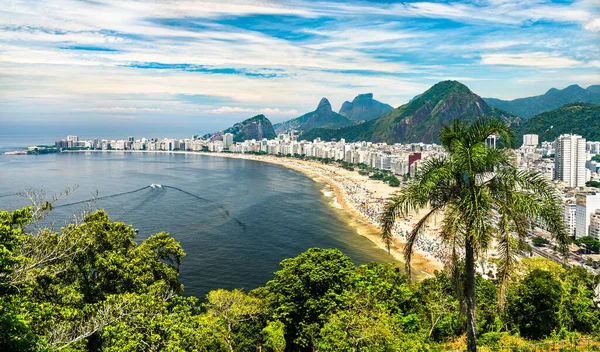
x=257, y=127
x=322, y=117
x=554, y=98
x=577, y=118
x=364, y=108
x=421, y=119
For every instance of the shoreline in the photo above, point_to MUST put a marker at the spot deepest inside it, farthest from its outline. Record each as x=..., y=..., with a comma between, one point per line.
x=422, y=261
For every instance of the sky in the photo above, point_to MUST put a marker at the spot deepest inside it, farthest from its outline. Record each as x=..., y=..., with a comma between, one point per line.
x=176, y=68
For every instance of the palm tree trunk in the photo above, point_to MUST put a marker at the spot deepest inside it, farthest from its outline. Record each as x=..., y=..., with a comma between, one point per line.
x=470, y=295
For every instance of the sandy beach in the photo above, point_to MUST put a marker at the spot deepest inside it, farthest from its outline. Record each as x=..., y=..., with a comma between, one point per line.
x=361, y=197
x=343, y=182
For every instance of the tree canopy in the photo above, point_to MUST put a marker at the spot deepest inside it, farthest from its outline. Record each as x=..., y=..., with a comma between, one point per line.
x=92, y=287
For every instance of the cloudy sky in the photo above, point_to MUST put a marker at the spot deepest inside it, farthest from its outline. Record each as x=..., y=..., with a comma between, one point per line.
x=120, y=67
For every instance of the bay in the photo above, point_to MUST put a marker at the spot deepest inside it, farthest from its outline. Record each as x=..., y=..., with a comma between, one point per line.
x=236, y=219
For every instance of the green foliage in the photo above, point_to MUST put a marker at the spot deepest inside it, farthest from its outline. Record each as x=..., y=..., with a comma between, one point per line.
x=100, y=291
x=596, y=158
x=11, y=238
x=539, y=241
x=306, y=289
x=45, y=150
x=553, y=99
x=579, y=118
x=257, y=127
x=420, y=120
x=578, y=311
x=439, y=308
x=274, y=336
x=392, y=180
x=73, y=283
x=593, y=183
x=590, y=243
x=321, y=118
x=451, y=187
x=377, y=176
x=534, y=303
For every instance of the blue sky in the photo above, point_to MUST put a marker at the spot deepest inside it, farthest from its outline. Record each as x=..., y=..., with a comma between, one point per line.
x=181, y=67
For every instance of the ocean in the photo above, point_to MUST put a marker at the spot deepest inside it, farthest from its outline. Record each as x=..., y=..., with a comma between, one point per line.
x=235, y=219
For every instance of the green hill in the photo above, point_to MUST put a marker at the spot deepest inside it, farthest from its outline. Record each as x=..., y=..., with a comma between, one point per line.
x=322, y=117
x=552, y=99
x=578, y=118
x=421, y=119
x=257, y=127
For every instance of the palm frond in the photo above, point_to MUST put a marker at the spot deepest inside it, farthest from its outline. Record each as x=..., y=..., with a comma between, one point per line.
x=414, y=235
x=507, y=255
x=482, y=128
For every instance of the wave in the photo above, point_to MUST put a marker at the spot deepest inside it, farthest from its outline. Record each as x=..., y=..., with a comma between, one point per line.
x=100, y=198
x=222, y=208
x=224, y=211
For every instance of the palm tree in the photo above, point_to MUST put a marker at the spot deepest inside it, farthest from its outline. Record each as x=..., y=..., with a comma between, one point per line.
x=468, y=188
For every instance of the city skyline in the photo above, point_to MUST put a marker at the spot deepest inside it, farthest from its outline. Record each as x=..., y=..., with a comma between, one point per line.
x=206, y=65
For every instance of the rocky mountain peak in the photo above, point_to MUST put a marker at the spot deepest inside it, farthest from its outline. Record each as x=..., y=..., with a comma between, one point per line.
x=364, y=108
x=365, y=96
x=324, y=104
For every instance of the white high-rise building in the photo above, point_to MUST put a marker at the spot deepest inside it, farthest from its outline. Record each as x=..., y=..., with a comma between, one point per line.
x=491, y=141
x=595, y=224
x=570, y=160
x=530, y=140
x=593, y=147
x=570, y=216
x=227, y=141
x=587, y=204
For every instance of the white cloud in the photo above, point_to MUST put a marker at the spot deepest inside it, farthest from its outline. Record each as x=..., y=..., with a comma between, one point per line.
x=593, y=26
x=276, y=111
x=402, y=59
x=119, y=109
x=536, y=59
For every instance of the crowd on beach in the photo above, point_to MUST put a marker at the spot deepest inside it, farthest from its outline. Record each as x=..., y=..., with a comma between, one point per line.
x=370, y=207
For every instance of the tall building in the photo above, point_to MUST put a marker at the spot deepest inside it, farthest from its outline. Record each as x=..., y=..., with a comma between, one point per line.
x=595, y=224
x=587, y=204
x=530, y=140
x=72, y=141
x=593, y=147
x=570, y=216
x=490, y=141
x=413, y=157
x=227, y=141
x=570, y=160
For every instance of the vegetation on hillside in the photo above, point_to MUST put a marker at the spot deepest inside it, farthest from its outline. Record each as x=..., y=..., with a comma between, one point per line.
x=461, y=188
x=322, y=117
x=257, y=127
x=90, y=287
x=420, y=120
x=576, y=118
x=552, y=99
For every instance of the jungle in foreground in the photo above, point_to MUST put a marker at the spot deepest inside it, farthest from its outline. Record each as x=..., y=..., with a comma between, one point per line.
x=90, y=287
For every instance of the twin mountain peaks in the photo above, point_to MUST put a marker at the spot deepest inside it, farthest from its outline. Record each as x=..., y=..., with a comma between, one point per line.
x=362, y=108
x=421, y=119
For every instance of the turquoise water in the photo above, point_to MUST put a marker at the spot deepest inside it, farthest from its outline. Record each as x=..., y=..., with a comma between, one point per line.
x=236, y=219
